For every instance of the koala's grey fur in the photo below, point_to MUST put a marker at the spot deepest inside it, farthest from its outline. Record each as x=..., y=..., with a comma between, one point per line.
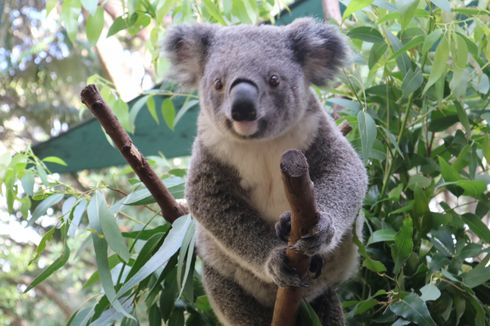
x=234, y=188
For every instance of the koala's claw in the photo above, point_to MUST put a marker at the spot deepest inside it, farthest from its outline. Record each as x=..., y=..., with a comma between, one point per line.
x=316, y=265
x=311, y=243
x=282, y=274
x=283, y=226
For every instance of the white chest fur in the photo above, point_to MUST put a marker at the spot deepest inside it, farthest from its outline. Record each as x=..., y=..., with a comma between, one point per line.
x=257, y=162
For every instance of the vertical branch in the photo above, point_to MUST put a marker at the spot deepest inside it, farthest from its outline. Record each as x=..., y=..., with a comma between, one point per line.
x=299, y=192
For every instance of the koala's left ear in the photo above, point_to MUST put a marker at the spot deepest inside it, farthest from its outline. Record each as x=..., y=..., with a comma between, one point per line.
x=187, y=46
x=319, y=47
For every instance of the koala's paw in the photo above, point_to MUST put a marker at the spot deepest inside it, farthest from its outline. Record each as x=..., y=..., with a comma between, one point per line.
x=284, y=275
x=311, y=243
x=283, y=226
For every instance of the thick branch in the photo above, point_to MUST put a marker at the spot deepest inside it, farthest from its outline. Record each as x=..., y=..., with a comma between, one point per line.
x=171, y=210
x=299, y=191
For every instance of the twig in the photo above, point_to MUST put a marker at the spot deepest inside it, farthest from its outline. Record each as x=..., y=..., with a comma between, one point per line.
x=299, y=192
x=171, y=210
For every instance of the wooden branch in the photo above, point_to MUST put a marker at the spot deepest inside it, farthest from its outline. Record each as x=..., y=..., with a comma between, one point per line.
x=171, y=210
x=299, y=192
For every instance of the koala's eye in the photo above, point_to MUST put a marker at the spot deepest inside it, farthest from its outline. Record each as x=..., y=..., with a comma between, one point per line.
x=274, y=80
x=218, y=85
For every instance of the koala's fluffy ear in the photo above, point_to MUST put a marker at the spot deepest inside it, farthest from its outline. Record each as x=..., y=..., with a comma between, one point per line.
x=186, y=46
x=319, y=47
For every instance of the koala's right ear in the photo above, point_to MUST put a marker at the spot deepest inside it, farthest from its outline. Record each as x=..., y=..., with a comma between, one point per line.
x=187, y=46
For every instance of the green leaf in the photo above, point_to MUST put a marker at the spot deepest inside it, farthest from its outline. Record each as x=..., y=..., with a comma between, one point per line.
x=443, y=4
x=50, y=5
x=168, y=112
x=439, y=64
x=150, y=103
x=409, y=45
x=413, y=308
x=459, y=51
x=165, y=252
x=354, y=6
x=111, y=232
x=367, y=132
x=77, y=217
x=90, y=5
x=382, y=235
x=412, y=81
x=118, y=25
x=430, y=40
x=187, y=105
x=41, y=209
x=57, y=264
x=430, y=292
x=373, y=265
x=472, y=188
x=377, y=51
x=95, y=24
x=136, y=107
x=307, y=315
x=214, y=11
x=70, y=12
x=448, y=172
x=100, y=246
x=366, y=33
x=121, y=110
x=403, y=61
x=403, y=245
x=28, y=183
x=407, y=11
x=477, y=226
x=48, y=236
x=55, y=160
x=478, y=275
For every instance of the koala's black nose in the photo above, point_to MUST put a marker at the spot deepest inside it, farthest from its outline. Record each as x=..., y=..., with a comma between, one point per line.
x=243, y=101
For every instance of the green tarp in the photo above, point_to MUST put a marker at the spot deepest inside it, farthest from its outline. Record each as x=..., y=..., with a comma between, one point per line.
x=85, y=146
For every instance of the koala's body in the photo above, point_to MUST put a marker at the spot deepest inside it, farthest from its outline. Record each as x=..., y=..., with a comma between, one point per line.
x=256, y=103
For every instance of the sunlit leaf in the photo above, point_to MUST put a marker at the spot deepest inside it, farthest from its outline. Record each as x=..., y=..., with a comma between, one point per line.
x=55, y=160
x=95, y=24
x=354, y=6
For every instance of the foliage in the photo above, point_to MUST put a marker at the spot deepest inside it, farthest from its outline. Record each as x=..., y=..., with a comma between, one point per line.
x=417, y=97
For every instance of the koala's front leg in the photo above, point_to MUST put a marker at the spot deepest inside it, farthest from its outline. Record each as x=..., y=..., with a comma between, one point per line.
x=340, y=183
x=222, y=207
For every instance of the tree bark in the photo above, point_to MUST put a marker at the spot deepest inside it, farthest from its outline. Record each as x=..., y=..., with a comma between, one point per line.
x=299, y=192
x=171, y=210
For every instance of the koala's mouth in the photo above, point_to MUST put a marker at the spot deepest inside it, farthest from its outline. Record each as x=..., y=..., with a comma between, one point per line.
x=247, y=129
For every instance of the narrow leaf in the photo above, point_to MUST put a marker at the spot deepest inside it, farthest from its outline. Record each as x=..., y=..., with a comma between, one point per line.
x=439, y=64
x=367, y=131
x=168, y=112
x=55, y=160
x=41, y=209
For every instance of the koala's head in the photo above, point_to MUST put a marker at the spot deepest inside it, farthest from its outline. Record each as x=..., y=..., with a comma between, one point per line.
x=254, y=80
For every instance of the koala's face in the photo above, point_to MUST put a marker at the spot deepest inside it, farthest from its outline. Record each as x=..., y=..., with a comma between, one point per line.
x=253, y=80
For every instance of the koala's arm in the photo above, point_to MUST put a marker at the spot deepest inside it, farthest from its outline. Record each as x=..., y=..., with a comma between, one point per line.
x=340, y=180
x=220, y=205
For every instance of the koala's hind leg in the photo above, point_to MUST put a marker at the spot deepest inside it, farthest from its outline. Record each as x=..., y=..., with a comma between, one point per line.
x=329, y=309
x=231, y=304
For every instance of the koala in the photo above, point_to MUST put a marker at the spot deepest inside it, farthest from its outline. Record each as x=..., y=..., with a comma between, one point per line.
x=256, y=103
